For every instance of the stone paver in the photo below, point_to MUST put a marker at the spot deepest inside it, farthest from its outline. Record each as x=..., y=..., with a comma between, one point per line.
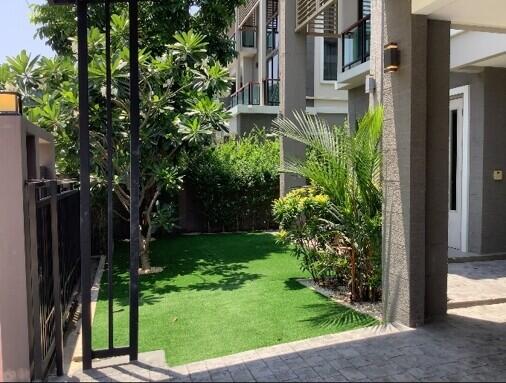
x=469, y=346
x=476, y=283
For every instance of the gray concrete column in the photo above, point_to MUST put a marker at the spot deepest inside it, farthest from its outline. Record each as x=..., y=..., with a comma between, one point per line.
x=415, y=161
x=292, y=60
x=436, y=226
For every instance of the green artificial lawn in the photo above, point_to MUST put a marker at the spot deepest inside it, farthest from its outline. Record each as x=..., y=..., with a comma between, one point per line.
x=219, y=295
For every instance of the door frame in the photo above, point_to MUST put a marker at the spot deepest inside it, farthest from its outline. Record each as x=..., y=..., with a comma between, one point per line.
x=464, y=225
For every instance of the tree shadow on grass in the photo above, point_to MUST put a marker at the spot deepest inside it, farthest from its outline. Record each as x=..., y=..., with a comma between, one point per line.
x=232, y=276
x=332, y=315
x=219, y=260
x=293, y=284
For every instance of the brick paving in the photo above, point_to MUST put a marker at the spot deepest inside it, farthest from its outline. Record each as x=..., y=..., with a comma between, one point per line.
x=470, y=345
x=476, y=283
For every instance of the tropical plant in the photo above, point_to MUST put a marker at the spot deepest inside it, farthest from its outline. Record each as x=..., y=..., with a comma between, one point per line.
x=236, y=182
x=159, y=22
x=346, y=167
x=178, y=115
x=301, y=214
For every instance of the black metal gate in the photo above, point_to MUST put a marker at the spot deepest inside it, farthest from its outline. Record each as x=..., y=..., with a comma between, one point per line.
x=53, y=267
x=84, y=144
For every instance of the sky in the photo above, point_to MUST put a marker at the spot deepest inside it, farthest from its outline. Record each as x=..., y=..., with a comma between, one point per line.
x=16, y=32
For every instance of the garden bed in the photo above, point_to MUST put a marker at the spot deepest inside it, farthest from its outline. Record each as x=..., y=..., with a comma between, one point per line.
x=342, y=297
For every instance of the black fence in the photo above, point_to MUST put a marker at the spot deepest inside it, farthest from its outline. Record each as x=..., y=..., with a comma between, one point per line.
x=53, y=269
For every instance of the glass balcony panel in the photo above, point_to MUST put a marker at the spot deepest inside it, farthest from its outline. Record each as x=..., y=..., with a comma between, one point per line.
x=356, y=43
x=248, y=38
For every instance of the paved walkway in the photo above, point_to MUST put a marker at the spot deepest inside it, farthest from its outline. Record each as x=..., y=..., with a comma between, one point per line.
x=476, y=283
x=469, y=346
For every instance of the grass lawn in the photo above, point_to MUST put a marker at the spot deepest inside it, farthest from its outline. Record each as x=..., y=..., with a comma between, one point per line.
x=219, y=295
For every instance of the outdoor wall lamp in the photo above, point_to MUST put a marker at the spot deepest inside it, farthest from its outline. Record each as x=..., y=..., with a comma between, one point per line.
x=10, y=103
x=392, y=58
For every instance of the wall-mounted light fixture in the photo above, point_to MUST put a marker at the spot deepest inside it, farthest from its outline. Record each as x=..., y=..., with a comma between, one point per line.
x=10, y=103
x=392, y=57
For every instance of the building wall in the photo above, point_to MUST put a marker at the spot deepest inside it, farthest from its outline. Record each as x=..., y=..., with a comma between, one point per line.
x=311, y=68
x=244, y=123
x=358, y=104
x=494, y=157
x=487, y=201
x=324, y=90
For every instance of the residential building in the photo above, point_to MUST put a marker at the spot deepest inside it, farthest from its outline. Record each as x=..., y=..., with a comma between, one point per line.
x=444, y=128
x=255, y=97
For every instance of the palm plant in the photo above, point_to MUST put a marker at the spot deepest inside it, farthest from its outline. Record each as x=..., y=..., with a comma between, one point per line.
x=346, y=166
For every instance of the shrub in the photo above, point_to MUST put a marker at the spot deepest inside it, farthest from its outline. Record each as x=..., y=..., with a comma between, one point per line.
x=236, y=181
x=303, y=218
x=346, y=167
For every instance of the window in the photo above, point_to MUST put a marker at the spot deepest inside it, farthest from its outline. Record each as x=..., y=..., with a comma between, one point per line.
x=248, y=38
x=272, y=35
x=329, y=59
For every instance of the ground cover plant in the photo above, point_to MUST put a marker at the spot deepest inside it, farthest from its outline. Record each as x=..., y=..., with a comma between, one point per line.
x=218, y=295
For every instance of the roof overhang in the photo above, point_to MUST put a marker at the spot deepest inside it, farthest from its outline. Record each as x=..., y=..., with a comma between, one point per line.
x=482, y=15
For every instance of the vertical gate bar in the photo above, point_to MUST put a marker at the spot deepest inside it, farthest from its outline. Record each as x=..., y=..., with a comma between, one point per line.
x=84, y=153
x=56, y=279
x=134, y=179
x=35, y=287
x=110, y=233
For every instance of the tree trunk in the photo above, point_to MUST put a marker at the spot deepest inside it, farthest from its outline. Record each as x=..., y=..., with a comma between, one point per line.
x=145, y=261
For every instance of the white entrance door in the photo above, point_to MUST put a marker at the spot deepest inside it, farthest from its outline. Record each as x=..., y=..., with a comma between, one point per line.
x=455, y=173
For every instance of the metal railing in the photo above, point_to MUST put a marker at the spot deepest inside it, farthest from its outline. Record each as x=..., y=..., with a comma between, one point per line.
x=248, y=38
x=356, y=43
x=271, y=92
x=249, y=94
x=53, y=267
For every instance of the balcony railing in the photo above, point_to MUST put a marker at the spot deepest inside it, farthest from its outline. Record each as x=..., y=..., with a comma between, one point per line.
x=248, y=38
x=249, y=94
x=271, y=92
x=356, y=43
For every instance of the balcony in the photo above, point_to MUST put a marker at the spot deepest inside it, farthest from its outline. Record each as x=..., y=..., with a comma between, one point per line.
x=356, y=51
x=356, y=43
x=249, y=94
x=271, y=92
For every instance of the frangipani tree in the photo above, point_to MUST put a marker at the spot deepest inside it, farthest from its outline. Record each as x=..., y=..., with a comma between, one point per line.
x=179, y=112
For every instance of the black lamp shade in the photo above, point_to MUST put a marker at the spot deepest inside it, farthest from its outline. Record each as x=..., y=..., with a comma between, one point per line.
x=392, y=58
